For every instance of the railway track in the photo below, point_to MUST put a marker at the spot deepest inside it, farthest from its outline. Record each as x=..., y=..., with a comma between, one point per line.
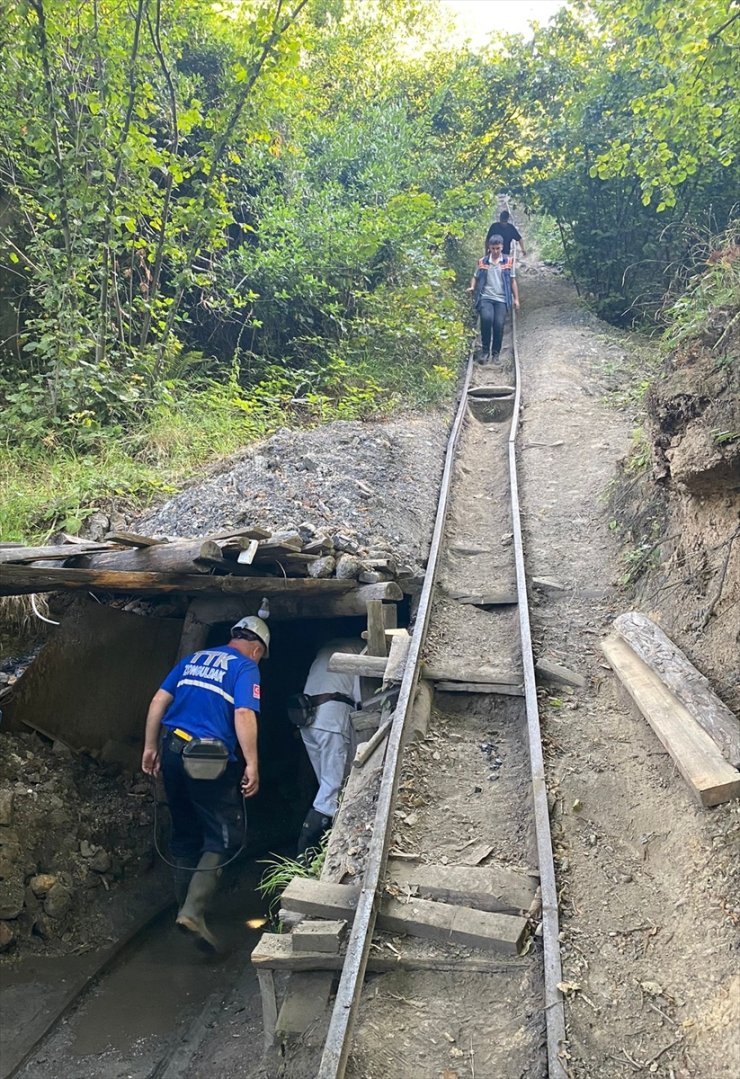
x=476, y=551
x=486, y=408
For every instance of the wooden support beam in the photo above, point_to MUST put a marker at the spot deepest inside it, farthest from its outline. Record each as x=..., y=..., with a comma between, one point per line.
x=194, y=634
x=364, y=666
x=418, y=720
x=269, y=1004
x=650, y=644
x=376, y=645
x=710, y=778
x=417, y=917
x=62, y=551
x=491, y=888
x=486, y=599
x=323, y=603
x=178, y=556
x=305, y=1005
x=131, y=539
x=397, y=656
x=441, y=672
x=275, y=952
x=366, y=750
x=20, y=580
x=504, y=688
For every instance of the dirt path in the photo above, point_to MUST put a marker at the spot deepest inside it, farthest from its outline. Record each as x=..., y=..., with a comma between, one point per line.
x=647, y=919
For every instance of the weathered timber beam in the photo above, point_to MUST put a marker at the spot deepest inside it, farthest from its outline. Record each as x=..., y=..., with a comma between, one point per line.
x=365, y=666
x=709, y=776
x=376, y=666
x=491, y=888
x=417, y=917
x=178, y=557
x=132, y=539
x=61, y=550
x=20, y=580
x=275, y=952
x=648, y=641
x=326, y=603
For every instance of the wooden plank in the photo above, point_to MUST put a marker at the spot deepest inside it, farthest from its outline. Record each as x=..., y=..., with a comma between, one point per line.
x=376, y=645
x=709, y=776
x=648, y=641
x=397, y=657
x=505, y=688
x=364, y=666
x=178, y=556
x=274, y=952
x=61, y=550
x=319, y=936
x=486, y=599
x=325, y=603
x=357, y=789
x=19, y=580
x=439, y=672
x=459, y=925
x=418, y=720
x=269, y=1005
x=240, y=533
x=492, y=888
x=417, y=917
x=365, y=751
x=305, y=1003
x=550, y=671
x=194, y=634
x=131, y=539
x=246, y=556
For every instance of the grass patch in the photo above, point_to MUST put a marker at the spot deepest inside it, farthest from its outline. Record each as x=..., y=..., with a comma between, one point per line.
x=47, y=484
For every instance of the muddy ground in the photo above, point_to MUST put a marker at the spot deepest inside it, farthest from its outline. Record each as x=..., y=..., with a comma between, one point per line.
x=648, y=880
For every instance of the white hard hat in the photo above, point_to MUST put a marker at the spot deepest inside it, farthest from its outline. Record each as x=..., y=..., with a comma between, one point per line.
x=256, y=626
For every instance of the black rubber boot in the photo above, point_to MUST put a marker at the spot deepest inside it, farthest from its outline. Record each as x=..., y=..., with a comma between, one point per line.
x=204, y=882
x=182, y=874
x=313, y=829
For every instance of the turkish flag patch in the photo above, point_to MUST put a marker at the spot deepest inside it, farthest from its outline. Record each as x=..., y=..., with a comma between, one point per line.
x=256, y=691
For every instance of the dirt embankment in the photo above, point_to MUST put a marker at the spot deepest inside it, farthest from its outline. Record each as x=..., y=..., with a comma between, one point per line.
x=648, y=880
x=69, y=830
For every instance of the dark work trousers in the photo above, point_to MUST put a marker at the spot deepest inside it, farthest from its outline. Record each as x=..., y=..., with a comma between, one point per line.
x=492, y=319
x=207, y=814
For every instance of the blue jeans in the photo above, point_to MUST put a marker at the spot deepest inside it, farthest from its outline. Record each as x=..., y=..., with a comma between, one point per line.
x=492, y=319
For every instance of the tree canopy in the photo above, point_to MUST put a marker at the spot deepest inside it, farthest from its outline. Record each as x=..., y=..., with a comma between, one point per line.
x=273, y=193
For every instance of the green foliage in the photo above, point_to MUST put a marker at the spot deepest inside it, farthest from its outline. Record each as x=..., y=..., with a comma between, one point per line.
x=706, y=304
x=281, y=870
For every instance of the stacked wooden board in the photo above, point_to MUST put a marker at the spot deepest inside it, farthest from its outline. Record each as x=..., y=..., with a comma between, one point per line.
x=700, y=733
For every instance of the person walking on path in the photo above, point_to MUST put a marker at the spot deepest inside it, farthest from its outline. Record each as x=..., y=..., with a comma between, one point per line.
x=206, y=711
x=507, y=231
x=328, y=738
x=494, y=291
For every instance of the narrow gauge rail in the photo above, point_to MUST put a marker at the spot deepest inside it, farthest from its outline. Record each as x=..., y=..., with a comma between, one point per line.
x=176, y=1052
x=340, y=1033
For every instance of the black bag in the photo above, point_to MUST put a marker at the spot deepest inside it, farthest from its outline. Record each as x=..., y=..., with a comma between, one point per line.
x=302, y=706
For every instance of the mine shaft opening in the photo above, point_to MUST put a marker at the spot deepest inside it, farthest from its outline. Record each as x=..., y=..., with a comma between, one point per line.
x=287, y=781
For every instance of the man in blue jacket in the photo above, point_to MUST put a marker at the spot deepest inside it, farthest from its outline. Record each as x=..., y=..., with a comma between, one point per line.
x=206, y=710
x=495, y=290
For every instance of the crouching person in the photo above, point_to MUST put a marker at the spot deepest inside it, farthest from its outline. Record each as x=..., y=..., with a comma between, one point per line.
x=203, y=713
x=329, y=699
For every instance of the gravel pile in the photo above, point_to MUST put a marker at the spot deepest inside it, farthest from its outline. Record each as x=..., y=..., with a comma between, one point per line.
x=375, y=482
